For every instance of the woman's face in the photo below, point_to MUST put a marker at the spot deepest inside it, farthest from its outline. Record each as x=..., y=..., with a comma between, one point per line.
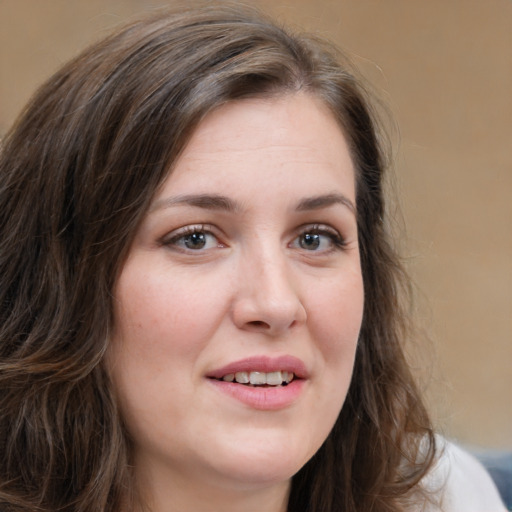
x=245, y=268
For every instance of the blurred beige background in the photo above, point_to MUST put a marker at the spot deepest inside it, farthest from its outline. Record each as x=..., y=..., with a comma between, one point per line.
x=445, y=69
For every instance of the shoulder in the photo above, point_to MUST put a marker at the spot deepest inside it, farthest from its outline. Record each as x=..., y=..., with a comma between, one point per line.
x=460, y=483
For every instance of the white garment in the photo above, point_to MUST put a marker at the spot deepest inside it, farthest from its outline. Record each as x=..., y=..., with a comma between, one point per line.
x=461, y=483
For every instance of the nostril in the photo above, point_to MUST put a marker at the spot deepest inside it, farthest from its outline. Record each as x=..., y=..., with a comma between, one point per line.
x=259, y=324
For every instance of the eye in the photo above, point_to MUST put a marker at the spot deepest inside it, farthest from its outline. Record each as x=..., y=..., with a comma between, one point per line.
x=318, y=238
x=192, y=238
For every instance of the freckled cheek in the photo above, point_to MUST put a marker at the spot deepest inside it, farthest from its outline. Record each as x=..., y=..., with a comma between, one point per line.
x=335, y=316
x=157, y=316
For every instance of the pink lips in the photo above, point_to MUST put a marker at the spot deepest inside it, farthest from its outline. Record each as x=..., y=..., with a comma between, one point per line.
x=262, y=398
x=263, y=364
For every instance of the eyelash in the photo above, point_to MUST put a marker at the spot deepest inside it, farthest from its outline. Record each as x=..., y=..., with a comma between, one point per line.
x=188, y=231
x=338, y=242
x=334, y=236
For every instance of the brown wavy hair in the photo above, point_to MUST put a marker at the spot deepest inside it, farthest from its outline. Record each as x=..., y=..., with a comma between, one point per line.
x=77, y=173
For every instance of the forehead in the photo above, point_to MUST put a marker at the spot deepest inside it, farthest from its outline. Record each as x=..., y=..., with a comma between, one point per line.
x=272, y=118
x=285, y=137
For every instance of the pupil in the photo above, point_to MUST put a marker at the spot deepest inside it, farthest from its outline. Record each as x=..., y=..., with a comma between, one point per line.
x=311, y=241
x=195, y=241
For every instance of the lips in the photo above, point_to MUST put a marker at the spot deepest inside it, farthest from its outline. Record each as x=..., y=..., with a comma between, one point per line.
x=255, y=378
x=262, y=382
x=262, y=364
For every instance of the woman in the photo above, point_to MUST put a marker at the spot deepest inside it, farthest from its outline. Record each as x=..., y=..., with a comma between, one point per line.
x=200, y=306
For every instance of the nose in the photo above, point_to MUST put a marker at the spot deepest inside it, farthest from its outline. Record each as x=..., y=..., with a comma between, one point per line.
x=267, y=299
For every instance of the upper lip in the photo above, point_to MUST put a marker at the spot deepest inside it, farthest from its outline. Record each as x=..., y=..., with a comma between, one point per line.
x=264, y=364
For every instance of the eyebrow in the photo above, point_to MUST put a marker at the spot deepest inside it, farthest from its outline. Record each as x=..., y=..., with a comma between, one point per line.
x=219, y=202
x=324, y=201
x=206, y=201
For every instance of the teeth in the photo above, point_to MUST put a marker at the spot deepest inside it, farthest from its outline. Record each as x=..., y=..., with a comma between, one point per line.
x=257, y=378
x=242, y=377
x=275, y=378
x=260, y=378
x=287, y=377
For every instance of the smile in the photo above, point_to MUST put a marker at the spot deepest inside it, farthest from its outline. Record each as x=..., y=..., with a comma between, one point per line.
x=255, y=378
x=261, y=382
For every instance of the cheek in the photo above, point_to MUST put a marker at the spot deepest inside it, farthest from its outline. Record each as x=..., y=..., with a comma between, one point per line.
x=337, y=316
x=335, y=322
x=159, y=317
x=157, y=341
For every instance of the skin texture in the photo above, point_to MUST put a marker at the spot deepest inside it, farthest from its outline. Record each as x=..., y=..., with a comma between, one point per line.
x=211, y=282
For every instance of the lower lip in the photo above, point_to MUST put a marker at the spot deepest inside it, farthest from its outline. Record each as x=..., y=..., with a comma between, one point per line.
x=262, y=398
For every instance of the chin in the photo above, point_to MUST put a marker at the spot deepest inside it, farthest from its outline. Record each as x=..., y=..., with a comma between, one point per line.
x=265, y=461
x=255, y=474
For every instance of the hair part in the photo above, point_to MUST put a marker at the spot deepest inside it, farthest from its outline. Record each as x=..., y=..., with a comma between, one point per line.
x=77, y=174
